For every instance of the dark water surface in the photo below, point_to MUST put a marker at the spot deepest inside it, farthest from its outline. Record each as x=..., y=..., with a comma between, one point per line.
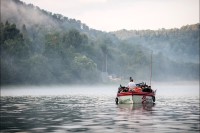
x=82, y=109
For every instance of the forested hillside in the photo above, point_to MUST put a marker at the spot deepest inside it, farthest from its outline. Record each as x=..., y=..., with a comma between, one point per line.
x=39, y=47
x=180, y=45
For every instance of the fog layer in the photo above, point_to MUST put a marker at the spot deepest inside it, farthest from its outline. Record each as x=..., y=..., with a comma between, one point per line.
x=40, y=47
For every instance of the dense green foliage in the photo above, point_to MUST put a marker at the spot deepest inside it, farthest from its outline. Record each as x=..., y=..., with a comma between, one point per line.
x=59, y=62
x=177, y=44
x=51, y=48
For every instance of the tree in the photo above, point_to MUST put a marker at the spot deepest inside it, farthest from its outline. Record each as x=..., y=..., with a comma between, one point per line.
x=72, y=38
x=13, y=43
x=85, y=68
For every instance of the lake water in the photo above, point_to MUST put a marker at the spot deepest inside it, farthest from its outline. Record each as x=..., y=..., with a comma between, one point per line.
x=63, y=109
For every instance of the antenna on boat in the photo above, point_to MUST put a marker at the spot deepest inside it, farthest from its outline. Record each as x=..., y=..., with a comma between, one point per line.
x=151, y=67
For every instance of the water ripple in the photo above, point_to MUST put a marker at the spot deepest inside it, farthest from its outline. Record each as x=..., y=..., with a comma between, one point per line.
x=97, y=114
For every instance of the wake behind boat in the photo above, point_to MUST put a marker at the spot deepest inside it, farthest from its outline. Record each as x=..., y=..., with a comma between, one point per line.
x=141, y=94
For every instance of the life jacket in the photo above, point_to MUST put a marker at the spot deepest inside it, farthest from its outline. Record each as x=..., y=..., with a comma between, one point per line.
x=138, y=89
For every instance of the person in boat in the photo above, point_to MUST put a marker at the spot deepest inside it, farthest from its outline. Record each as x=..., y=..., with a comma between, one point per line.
x=131, y=85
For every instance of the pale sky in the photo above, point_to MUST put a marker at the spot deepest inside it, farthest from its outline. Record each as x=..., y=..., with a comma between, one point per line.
x=112, y=15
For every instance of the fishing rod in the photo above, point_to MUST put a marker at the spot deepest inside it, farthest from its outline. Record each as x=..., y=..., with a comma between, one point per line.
x=151, y=67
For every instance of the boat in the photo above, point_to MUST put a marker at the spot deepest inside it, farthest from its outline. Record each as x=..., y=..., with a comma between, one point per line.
x=145, y=95
x=142, y=94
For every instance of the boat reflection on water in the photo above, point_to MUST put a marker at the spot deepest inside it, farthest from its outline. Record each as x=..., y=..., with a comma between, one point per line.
x=136, y=118
x=139, y=106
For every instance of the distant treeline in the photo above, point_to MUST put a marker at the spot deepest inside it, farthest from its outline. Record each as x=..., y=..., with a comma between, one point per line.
x=177, y=44
x=51, y=48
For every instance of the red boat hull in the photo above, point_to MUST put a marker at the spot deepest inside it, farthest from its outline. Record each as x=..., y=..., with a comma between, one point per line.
x=135, y=97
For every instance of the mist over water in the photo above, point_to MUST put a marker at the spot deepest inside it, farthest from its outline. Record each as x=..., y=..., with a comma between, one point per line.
x=93, y=109
x=184, y=88
x=55, y=56
x=57, y=90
